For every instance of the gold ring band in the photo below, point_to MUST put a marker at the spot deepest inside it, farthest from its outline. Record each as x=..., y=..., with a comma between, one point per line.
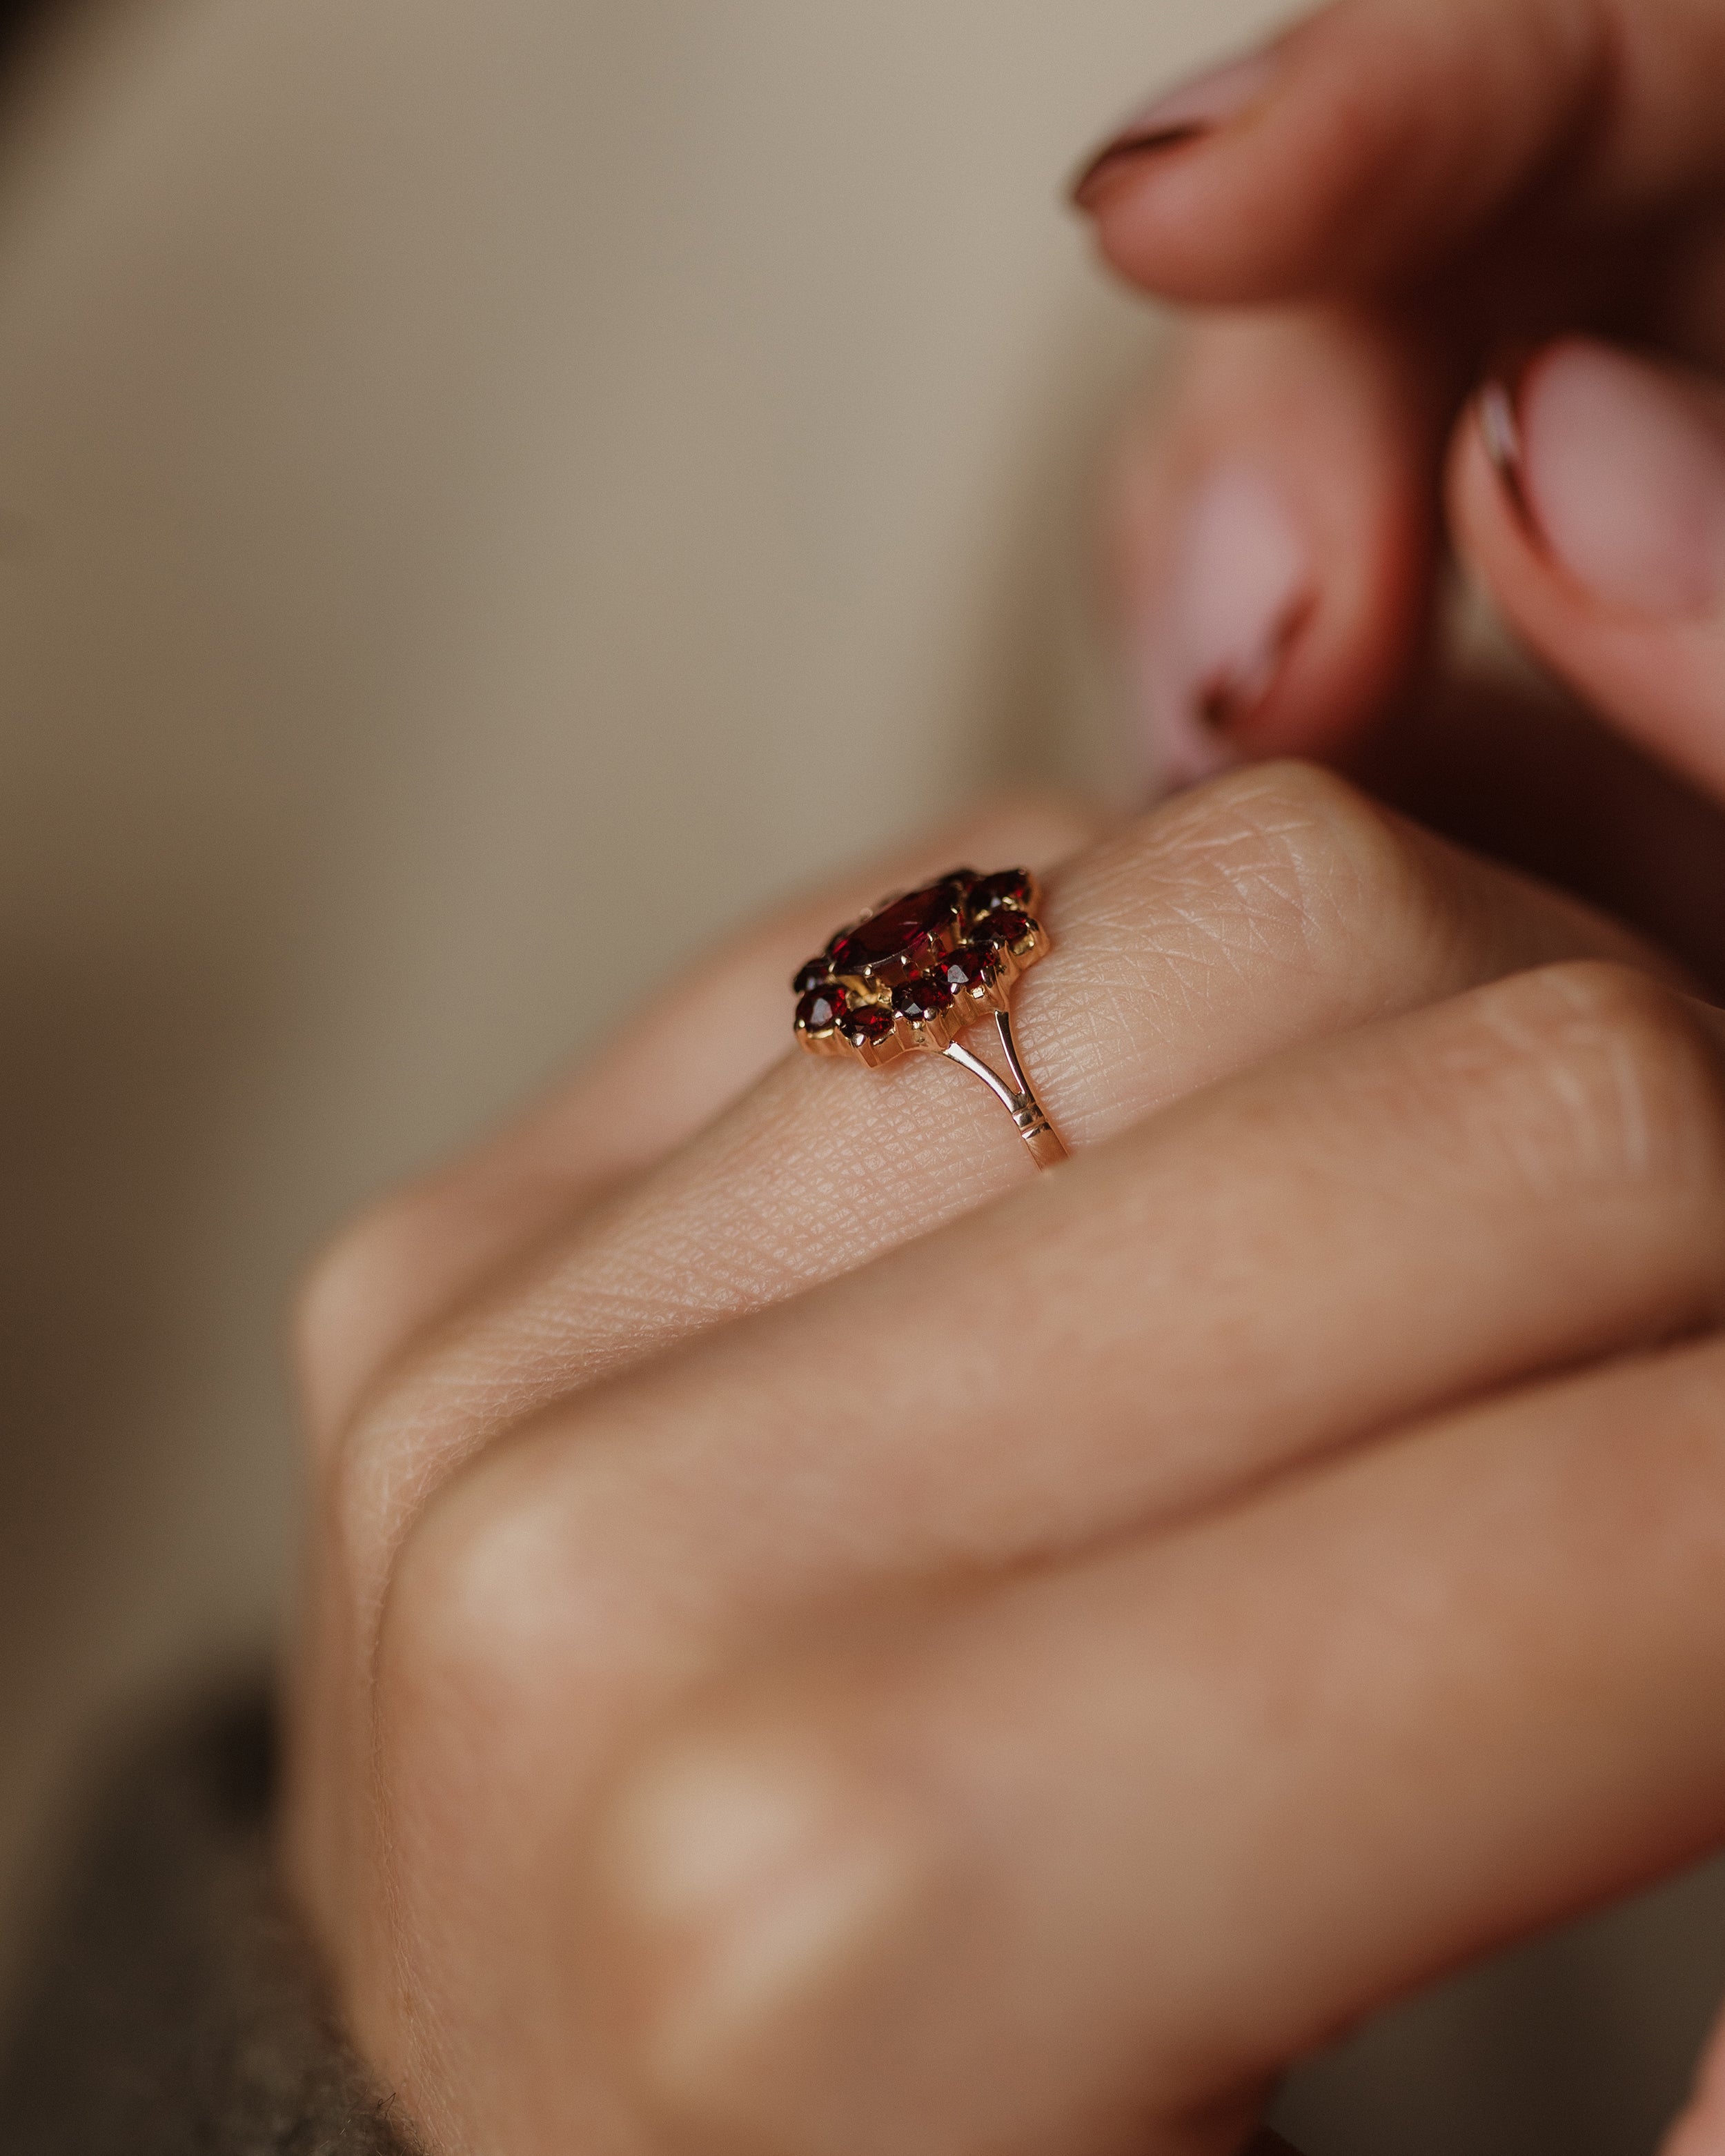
x=920, y=969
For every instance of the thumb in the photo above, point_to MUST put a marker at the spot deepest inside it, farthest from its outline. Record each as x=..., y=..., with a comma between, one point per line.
x=1589, y=491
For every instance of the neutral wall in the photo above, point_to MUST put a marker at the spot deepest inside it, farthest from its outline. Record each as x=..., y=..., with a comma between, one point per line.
x=488, y=493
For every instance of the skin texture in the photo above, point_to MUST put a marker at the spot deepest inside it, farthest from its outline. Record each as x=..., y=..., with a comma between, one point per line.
x=819, y=1640
x=1426, y=202
x=1283, y=1025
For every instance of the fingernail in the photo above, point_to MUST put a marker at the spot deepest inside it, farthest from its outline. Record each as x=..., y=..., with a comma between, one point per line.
x=1616, y=467
x=1239, y=592
x=734, y=1886
x=1171, y=121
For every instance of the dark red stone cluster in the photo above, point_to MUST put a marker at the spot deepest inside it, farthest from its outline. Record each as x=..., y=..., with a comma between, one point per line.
x=915, y=958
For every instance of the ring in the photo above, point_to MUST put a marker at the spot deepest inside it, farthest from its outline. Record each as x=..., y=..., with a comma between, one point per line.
x=922, y=968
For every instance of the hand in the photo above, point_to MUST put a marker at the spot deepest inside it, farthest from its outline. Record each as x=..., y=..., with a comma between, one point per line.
x=1406, y=204
x=820, y=1640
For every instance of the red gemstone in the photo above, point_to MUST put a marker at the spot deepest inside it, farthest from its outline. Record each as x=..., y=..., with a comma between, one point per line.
x=1007, y=928
x=901, y=938
x=1010, y=887
x=922, y=998
x=968, y=966
x=821, y=1008
x=816, y=974
x=869, y=1023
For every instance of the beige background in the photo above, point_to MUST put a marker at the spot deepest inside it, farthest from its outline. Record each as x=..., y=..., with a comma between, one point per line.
x=472, y=470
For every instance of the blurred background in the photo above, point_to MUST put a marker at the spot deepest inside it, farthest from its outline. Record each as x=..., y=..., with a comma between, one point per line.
x=471, y=470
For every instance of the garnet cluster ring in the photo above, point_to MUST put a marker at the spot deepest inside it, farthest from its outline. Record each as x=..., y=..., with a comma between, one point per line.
x=914, y=974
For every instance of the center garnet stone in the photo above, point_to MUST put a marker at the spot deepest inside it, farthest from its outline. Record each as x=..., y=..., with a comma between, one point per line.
x=902, y=938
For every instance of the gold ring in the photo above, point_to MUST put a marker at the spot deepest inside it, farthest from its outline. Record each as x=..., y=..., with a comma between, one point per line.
x=922, y=967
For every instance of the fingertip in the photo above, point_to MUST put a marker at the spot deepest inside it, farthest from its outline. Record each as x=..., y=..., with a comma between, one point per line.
x=1161, y=193
x=1358, y=149
x=1240, y=185
x=1196, y=112
x=1601, y=469
x=1213, y=630
x=1586, y=488
x=1270, y=545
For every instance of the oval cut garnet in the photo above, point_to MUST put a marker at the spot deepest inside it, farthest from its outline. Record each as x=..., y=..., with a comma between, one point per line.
x=1007, y=928
x=968, y=966
x=869, y=1023
x=816, y=974
x=1010, y=887
x=901, y=937
x=821, y=1008
x=925, y=998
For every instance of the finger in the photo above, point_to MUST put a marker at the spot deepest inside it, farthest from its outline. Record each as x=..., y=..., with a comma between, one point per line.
x=700, y=1042
x=1591, y=496
x=1099, y=1852
x=1277, y=907
x=1529, y=1177
x=1271, y=536
x=1371, y=143
x=1471, y=174
x=1523, y=772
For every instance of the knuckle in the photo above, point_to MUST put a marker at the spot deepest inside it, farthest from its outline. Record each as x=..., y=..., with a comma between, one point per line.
x=465, y=1609
x=349, y=1303
x=470, y=1750
x=344, y=1277
x=1612, y=1076
x=516, y=1595
x=1299, y=859
x=776, y=1759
